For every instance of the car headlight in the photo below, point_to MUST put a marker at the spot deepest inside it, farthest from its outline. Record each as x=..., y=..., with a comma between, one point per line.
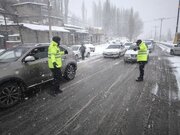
x=127, y=55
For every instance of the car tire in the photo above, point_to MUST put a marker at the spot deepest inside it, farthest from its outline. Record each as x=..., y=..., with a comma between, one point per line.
x=77, y=57
x=10, y=94
x=88, y=55
x=171, y=52
x=120, y=54
x=70, y=72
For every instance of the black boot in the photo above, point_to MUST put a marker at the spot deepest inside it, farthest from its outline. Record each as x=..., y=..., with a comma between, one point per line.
x=58, y=91
x=139, y=79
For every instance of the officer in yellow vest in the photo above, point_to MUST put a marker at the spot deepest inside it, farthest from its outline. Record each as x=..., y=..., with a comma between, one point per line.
x=141, y=58
x=55, y=63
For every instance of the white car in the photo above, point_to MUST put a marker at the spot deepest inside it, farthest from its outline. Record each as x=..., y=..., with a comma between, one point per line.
x=131, y=54
x=114, y=50
x=91, y=47
x=77, y=52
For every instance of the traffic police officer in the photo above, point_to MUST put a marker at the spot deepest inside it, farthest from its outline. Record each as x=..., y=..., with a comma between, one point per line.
x=55, y=63
x=141, y=58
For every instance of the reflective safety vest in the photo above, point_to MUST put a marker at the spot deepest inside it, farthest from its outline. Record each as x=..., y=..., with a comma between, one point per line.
x=142, y=52
x=54, y=55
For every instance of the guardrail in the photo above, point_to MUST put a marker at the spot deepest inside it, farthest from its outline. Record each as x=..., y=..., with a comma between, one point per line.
x=170, y=45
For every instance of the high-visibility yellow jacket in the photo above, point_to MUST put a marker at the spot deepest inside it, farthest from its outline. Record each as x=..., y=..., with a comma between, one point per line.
x=142, y=52
x=54, y=55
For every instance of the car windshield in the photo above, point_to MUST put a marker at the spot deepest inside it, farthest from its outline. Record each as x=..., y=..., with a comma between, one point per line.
x=75, y=48
x=12, y=54
x=148, y=43
x=113, y=47
x=131, y=47
x=128, y=44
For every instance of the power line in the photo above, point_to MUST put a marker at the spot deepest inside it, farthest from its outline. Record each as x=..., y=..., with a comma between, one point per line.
x=161, y=21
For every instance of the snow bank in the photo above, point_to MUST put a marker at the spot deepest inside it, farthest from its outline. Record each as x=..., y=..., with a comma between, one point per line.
x=165, y=46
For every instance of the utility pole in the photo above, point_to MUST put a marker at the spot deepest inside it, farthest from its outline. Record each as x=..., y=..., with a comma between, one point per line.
x=161, y=22
x=161, y=19
x=49, y=19
x=155, y=33
x=178, y=18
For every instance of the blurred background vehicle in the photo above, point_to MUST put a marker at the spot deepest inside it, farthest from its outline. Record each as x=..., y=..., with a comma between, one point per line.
x=114, y=50
x=150, y=45
x=175, y=50
x=91, y=47
x=77, y=52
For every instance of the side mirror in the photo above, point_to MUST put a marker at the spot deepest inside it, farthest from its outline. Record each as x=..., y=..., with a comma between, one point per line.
x=29, y=59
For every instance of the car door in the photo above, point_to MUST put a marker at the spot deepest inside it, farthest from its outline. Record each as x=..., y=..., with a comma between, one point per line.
x=123, y=49
x=64, y=58
x=178, y=49
x=37, y=71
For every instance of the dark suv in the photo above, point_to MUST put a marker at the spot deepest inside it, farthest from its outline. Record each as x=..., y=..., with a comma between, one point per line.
x=26, y=66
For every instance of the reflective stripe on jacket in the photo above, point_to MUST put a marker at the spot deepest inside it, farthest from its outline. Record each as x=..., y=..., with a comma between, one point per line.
x=54, y=55
x=142, y=52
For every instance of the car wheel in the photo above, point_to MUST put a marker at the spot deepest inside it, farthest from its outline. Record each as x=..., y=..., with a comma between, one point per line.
x=120, y=54
x=10, y=94
x=76, y=57
x=172, y=52
x=70, y=72
x=88, y=54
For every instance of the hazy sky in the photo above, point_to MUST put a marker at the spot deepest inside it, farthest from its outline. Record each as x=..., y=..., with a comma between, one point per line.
x=149, y=10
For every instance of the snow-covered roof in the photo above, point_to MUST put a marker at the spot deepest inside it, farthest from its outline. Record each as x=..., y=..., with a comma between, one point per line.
x=1, y=36
x=82, y=31
x=43, y=27
x=14, y=35
x=73, y=26
x=29, y=3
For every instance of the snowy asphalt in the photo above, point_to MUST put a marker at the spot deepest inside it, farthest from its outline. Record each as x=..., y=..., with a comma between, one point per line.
x=103, y=99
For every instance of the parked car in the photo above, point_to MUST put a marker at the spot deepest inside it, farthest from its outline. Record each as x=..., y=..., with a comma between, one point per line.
x=128, y=44
x=26, y=66
x=76, y=50
x=91, y=47
x=131, y=54
x=114, y=50
x=175, y=50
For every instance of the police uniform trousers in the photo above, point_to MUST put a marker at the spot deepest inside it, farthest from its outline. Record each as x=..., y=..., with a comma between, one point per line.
x=56, y=72
x=141, y=69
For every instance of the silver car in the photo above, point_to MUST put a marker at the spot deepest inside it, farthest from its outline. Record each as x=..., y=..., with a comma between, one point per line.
x=26, y=66
x=175, y=50
x=114, y=50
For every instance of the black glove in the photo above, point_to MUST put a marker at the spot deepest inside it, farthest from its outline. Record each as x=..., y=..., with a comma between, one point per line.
x=65, y=52
x=55, y=64
x=135, y=49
